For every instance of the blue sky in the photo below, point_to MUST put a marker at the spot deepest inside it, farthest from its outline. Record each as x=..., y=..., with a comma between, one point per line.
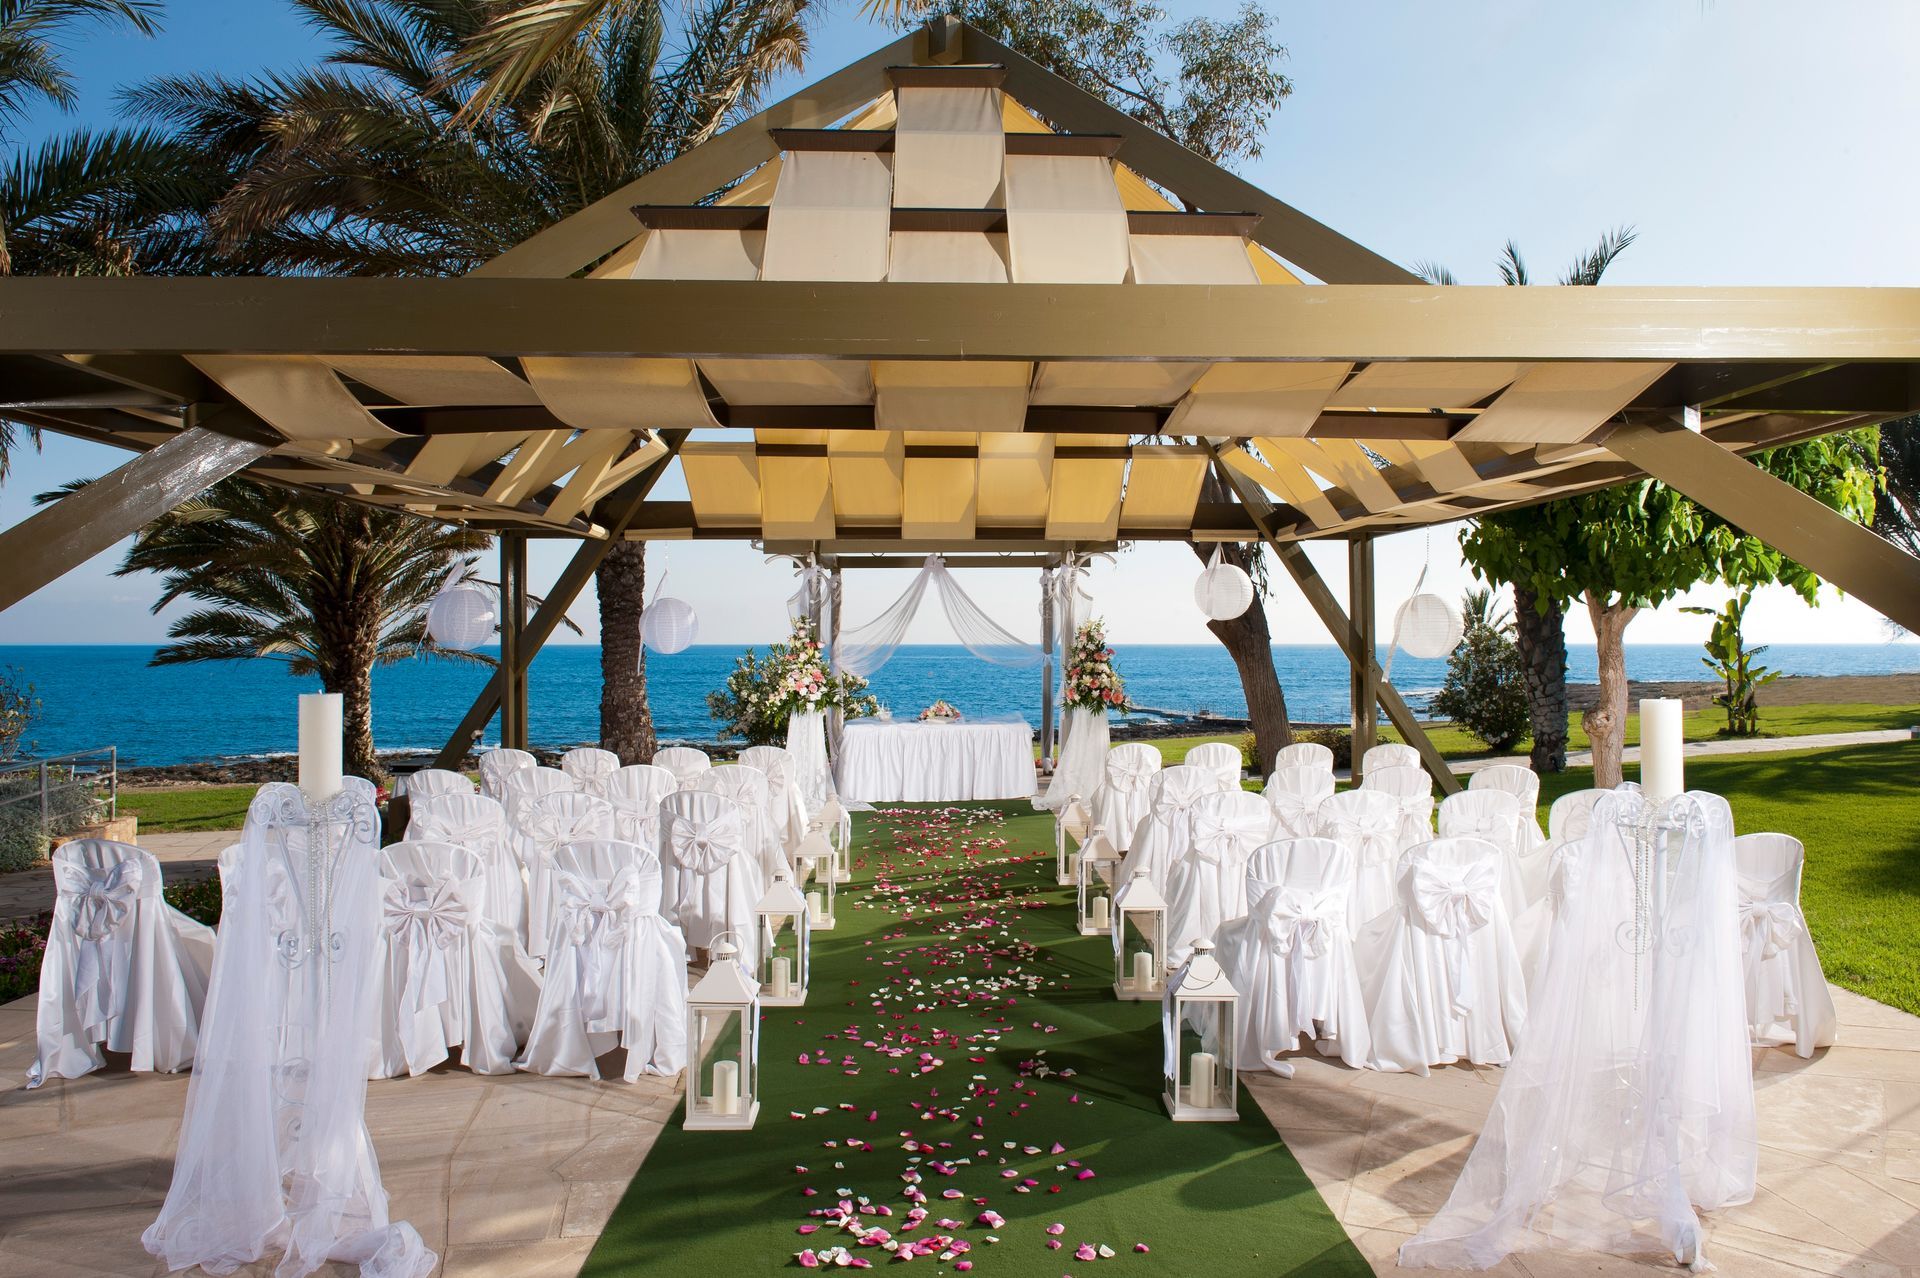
x=1750, y=142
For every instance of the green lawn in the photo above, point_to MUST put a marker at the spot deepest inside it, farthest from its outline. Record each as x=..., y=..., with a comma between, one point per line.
x=1704, y=725
x=191, y=809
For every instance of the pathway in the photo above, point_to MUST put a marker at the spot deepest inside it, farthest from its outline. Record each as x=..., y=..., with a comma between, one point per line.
x=184, y=858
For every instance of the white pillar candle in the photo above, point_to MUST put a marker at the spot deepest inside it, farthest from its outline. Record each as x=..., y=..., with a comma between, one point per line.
x=1101, y=914
x=1200, y=1080
x=782, y=976
x=726, y=1088
x=321, y=744
x=1142, y=970
x=1662, y=771
x=816, y=905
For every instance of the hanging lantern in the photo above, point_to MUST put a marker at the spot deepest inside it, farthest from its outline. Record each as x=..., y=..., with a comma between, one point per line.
x=723, y=1033
x=816, y=857
x=785, y=946
x=1095, y=869
x=462, y=616
x=1197, y=1021
x=1139, y=941
x=669, y=625
x=1428, y=626
x=1223, y=591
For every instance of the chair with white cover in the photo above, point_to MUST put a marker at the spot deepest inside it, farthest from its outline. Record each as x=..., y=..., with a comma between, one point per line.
x=1413, y=788
x=1122, y=798
x=1388, y=754
x=1295, y=794
x=1292, y=957
x=121, y=967
x=497, y=765
x=635, y=792
x=450, y=976
x=1571, y=815
x=362, y=788
x=712, y=881
x=1524, y=785
x=1787, y=996
x=478, y=824
x=1494, y=815
x=1221, y=757
x=748, y=787
x=431, y=783
x=1165, y=833
x=543, y=827
x=787, y=800
x=590, y=766
x=684, y=762
x=616, y=967
x=1304, y=754
x=1367, y=824
x=1208, y=885
x=1449, y=985
x=526, y=784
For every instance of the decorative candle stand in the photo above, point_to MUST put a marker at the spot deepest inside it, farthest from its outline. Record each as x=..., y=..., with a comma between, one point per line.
x=785, y=943
x=816, y=857
x=1072, y=823
x=1095, y=868
x=1139, y=941
x=1652, y=834
x=1198, y=1018
x=723, y=1035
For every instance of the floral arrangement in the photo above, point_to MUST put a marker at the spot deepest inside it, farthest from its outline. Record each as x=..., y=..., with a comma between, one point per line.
x=1092, y=682
x=939, y=710
x=763, y=694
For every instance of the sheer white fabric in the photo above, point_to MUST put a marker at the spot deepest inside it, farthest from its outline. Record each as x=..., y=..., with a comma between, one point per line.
x=122, y=967
x=1220, y=757
x=1388, y=754
x=1787, y=996
x=590, y=766
x=786, y=802
x=1208, y=884
x=431, y=783
x=616, y=967
x=274, y=1153
x=1448, y=986
x=1494, y=815
x=712, y=880
x=1165, y=834
x=544, y=826
x=1367, y=824
x=748, y=787
x=1524, y=785
x=361, y=788
x=1571, y=815
x=1295, y=795
x=1304, y=754
x=1121, y=800
x=864, y=649
x=684, y=762
x=1413, y=788
x=1292, y=957
x=807, y=748
x=451, y=976
x=478, y=824
x=497, y=765
x=1630, y=1100
x=635, y=792
x=1083, y=759
x=527, y=784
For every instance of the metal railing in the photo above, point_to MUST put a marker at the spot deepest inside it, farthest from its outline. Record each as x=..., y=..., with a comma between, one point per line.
x=46, y=782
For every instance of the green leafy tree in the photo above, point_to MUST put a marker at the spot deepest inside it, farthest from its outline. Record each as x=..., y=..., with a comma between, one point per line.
x=1485, y=690
x=1736, y=664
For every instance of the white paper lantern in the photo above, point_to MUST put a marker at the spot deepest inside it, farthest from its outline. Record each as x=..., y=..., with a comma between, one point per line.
x=462, y=616
x=1224, y=590
x=1428, y=626
x=669, y=625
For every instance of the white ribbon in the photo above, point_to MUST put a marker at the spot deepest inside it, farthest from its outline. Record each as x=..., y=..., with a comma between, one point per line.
x=428, y=922
x=595, y=918
x=704, y=846
x=1218, y=840
x=1305, y=919
x=1776, y=924
x=1454, y=902
x=103, y=903
x=1294, y=812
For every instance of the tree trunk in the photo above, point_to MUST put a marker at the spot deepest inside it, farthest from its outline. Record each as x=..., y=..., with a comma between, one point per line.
x=356, y=708
x=1250, y=644
x=626, y=720
x=1540, y=633
x=1607, y=722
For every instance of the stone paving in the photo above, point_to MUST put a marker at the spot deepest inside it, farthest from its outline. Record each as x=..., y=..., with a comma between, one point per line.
x=183, y=858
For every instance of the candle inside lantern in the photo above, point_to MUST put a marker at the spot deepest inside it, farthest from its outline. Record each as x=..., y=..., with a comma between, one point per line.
x=1200, y=1069
x=782, y=976
x=726, y=1088
x=1142, y=970
x=1102, y=913
x=1662, y=770
x=321, y=745
x=816, y=905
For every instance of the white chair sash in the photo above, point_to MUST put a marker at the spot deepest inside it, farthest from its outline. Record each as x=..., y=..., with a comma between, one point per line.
x=1453, y=902
x=702, y=847
x=428, y=922
x=590, y=766
x=496, y=766
x=1304, y=919
x=1776, y=925
x=103, y=904
x=594, y=918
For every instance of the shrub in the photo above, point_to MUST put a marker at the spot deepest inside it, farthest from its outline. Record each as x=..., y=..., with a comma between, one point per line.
x=23, y=838
x=1338, y=740
x=1250, y=752
x=1485, y=690
x=22, y=945
x=199, y=901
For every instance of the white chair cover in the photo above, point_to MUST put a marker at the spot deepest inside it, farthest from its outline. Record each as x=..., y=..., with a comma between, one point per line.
x=1292, y=958
x=1220, y=757
x=748, y=787
x=496, y=766
x=1164, y=834
x=545, y=825
x=1304, y=754
x=1121, y=800
x=1086, y=736
x=451, y=976
x=362, y=788
x=526, y=784
x=684, y=762
x=122, y=967
x=1494, y=815
x=786, y=801
x=1208, y=884
x=1295, y=794
x=1524, y=785
x=1787, y=996
x=1414, y=790
x=1533, y=927
x=616, y=969
x=712, y=880
x=478, y=824
x=273, y=1152
x=431, y=783
x=1571, y=815
x=1367, y=824
x=1388, y=754
x=1630, y=1100
x=1449, y=985
x=635, y=792
x=590, y=766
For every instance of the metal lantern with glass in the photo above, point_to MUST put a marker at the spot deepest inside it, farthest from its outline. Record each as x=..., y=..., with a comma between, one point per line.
x=723, y=1037
x=815, y=856
x=1072, y=823
x=1197, y=1020
x=838, y=827
x=785, y=942
x=1096, y=867
x=1139, y=940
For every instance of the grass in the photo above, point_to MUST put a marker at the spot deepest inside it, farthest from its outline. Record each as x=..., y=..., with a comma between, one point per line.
x=1706, y=724
x=188, y=808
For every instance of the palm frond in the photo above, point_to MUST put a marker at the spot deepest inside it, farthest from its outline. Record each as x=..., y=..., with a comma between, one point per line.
x=1587, y=270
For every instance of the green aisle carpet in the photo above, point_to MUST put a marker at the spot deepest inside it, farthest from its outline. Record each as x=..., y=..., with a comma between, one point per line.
x=956, y=1014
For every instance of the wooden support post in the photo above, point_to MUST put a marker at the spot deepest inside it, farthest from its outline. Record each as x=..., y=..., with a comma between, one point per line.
x=1046, y=668
x=513, y=625
x=1364, y=681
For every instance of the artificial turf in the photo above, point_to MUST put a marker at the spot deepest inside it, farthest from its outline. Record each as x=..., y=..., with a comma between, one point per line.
x=954, y=941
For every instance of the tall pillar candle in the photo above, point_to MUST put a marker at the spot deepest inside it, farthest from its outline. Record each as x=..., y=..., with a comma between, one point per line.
x=1102, y=916
x=1662, y=770
x=1142, y=970
x=1200, y=1080
x=726, y=1088
x=782, y=976
x=321, y=747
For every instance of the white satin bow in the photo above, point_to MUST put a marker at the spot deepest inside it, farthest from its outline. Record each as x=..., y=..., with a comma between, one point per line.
x=1216, y=841
x=704, y=846
x=595, y=918
x=1304, y=919
x=1293, y=812
x=1777, y=924
x=1454, y=902
x=427, y=922
x=1375, y=836
x=103, y=903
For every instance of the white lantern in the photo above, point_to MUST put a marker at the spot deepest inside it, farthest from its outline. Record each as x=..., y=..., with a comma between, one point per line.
x=1071, y=822
x=1197, y=1021
x=669, y=625
x=1428, y=626
x=1139, y=941
x=838, y=827
x=723, y=1038
x=1095, y=869
x=816, y=857
x=462, y=616
x=785, y=946
x=1223, y=591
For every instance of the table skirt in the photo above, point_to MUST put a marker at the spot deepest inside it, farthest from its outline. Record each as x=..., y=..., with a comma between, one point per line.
x=914, y=762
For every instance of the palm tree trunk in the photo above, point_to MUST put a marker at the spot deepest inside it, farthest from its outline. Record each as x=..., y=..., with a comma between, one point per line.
x=1541, y=635
x=356, y=706
x=1250, y=644
x=1607, y=722
x=626, y=720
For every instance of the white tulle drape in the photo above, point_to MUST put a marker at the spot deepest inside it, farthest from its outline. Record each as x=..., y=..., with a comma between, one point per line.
x=1083, y=759
x=1629, y=1102
x=864, y=649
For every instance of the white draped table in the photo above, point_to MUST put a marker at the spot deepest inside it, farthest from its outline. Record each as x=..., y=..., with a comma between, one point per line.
x=913, y=762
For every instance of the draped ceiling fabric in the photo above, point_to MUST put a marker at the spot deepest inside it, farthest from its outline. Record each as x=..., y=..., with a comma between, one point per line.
x=864, y=649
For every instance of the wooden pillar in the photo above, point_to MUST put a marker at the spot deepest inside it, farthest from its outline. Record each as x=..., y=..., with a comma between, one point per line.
x=1363, y=672
x=513, y=625
x=1046, y=666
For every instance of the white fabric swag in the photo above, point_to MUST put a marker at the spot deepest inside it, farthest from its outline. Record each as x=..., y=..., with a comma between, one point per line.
x=864, y=649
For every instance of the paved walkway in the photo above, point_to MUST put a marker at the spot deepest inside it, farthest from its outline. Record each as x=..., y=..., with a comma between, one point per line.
x=184, y=858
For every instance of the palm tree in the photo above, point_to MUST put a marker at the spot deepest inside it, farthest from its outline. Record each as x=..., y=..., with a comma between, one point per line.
x=392, y=160
x=331, y=588
x=1897, y=518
